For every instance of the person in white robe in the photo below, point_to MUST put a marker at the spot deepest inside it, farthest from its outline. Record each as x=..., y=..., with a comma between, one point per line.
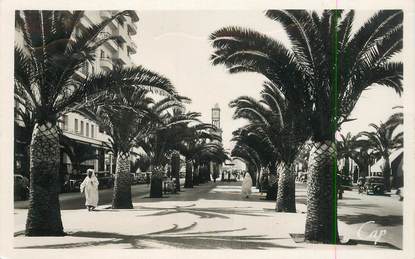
x=90, y=187
x=246, y=186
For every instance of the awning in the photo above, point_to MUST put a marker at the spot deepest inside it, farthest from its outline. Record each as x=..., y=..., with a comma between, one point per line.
x=86, y=141
x=377, y=167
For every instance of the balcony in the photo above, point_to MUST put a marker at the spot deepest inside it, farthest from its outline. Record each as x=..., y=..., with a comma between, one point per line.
x=107, y=32
x=132, y=48
x=122, y=34
x=107, y=14
x=106, y=64
x=121, y=56
x=132, y=29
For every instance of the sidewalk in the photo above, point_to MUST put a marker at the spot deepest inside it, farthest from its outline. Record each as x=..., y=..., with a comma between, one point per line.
x=210, y=216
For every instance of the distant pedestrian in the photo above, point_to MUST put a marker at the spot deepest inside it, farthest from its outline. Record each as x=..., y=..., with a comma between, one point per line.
x=90, y=187
x=246, y=186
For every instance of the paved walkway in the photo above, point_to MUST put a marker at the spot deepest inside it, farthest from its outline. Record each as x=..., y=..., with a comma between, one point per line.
x=210, y=216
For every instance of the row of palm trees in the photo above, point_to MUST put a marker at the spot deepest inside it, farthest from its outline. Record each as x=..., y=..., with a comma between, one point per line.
x=310, y=90
x=135, y=106
x=366, y=147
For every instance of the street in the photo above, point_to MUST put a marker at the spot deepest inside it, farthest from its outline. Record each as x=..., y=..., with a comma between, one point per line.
x=76, y=200
x=361, y=217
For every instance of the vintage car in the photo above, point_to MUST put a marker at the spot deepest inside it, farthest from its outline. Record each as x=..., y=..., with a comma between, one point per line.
x=106, y=180
x=375, y=185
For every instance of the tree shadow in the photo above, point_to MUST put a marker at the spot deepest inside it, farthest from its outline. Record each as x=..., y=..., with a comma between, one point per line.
x=389, y=220
x=203, y=212
x=358, y=205
x=174, y=237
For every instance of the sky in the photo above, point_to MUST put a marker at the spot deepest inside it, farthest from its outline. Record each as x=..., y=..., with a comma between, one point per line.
x=175, y=44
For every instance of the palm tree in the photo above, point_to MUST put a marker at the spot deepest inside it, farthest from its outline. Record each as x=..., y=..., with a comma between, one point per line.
x=383, y=140
x=175, y=168
x=346, y=149
x=126, y=115
x=190, y=138
x=254, y=138
x=45, y=65
x=208, y=152
x=250, y=157
x=325, y=71
x=46, y=77
x=284, y=133
x=23, y=131
x=164, y=137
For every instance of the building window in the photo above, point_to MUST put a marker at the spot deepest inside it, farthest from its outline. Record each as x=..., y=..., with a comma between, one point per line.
x=65, y=122
x=100, y=129
x=76, y=126
x=102, y=54
x=82, y=128
x=92, y=131
x=87, y=129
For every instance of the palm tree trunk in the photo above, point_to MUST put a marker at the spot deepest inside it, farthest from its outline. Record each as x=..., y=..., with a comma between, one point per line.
x=44, y=215
x=321, y=221
x=188, y=183
x=387, y=174
x=122, y=186
x=196, y=175
x=272, y=183
x=258, y=178
x=156, y=185
x=286, y=191
x=175, y=169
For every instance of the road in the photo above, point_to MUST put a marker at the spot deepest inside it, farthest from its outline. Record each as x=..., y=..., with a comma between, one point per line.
x=76, y=200
x=369, y=216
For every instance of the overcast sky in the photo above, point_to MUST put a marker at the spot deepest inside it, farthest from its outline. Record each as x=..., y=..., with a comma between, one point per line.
x=175, y=44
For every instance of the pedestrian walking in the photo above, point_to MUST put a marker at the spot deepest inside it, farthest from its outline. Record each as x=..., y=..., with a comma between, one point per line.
x=90, y=187
x=246, y=186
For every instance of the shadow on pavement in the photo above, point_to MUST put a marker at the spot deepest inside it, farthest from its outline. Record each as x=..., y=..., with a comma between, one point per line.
x=388, y=220
x=203, y=212
x=174, y=237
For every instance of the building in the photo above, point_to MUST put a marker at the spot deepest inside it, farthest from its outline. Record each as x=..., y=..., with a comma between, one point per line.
x=83, y=136
x=82, y=127
x=216, y=168
x=216, y=119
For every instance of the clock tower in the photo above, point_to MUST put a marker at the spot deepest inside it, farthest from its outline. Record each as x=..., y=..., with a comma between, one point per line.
x=216, y=116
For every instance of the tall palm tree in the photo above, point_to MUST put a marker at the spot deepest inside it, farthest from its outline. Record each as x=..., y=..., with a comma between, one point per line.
x=46, y=77
x=192, y=137
x=325, y=71
x=126, y=115
x=252, y=137
x=208, y=152
x=346, y=149
x=284, y=132
x=45, y=65
x=175, y=168
x=164, y=137
x=384, y=140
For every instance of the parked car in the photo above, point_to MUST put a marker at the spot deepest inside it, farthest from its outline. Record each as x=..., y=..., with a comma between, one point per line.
x=21, y=187
x=142, y=177
x=375, y=185
x=75, y=181
x=105, y=178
